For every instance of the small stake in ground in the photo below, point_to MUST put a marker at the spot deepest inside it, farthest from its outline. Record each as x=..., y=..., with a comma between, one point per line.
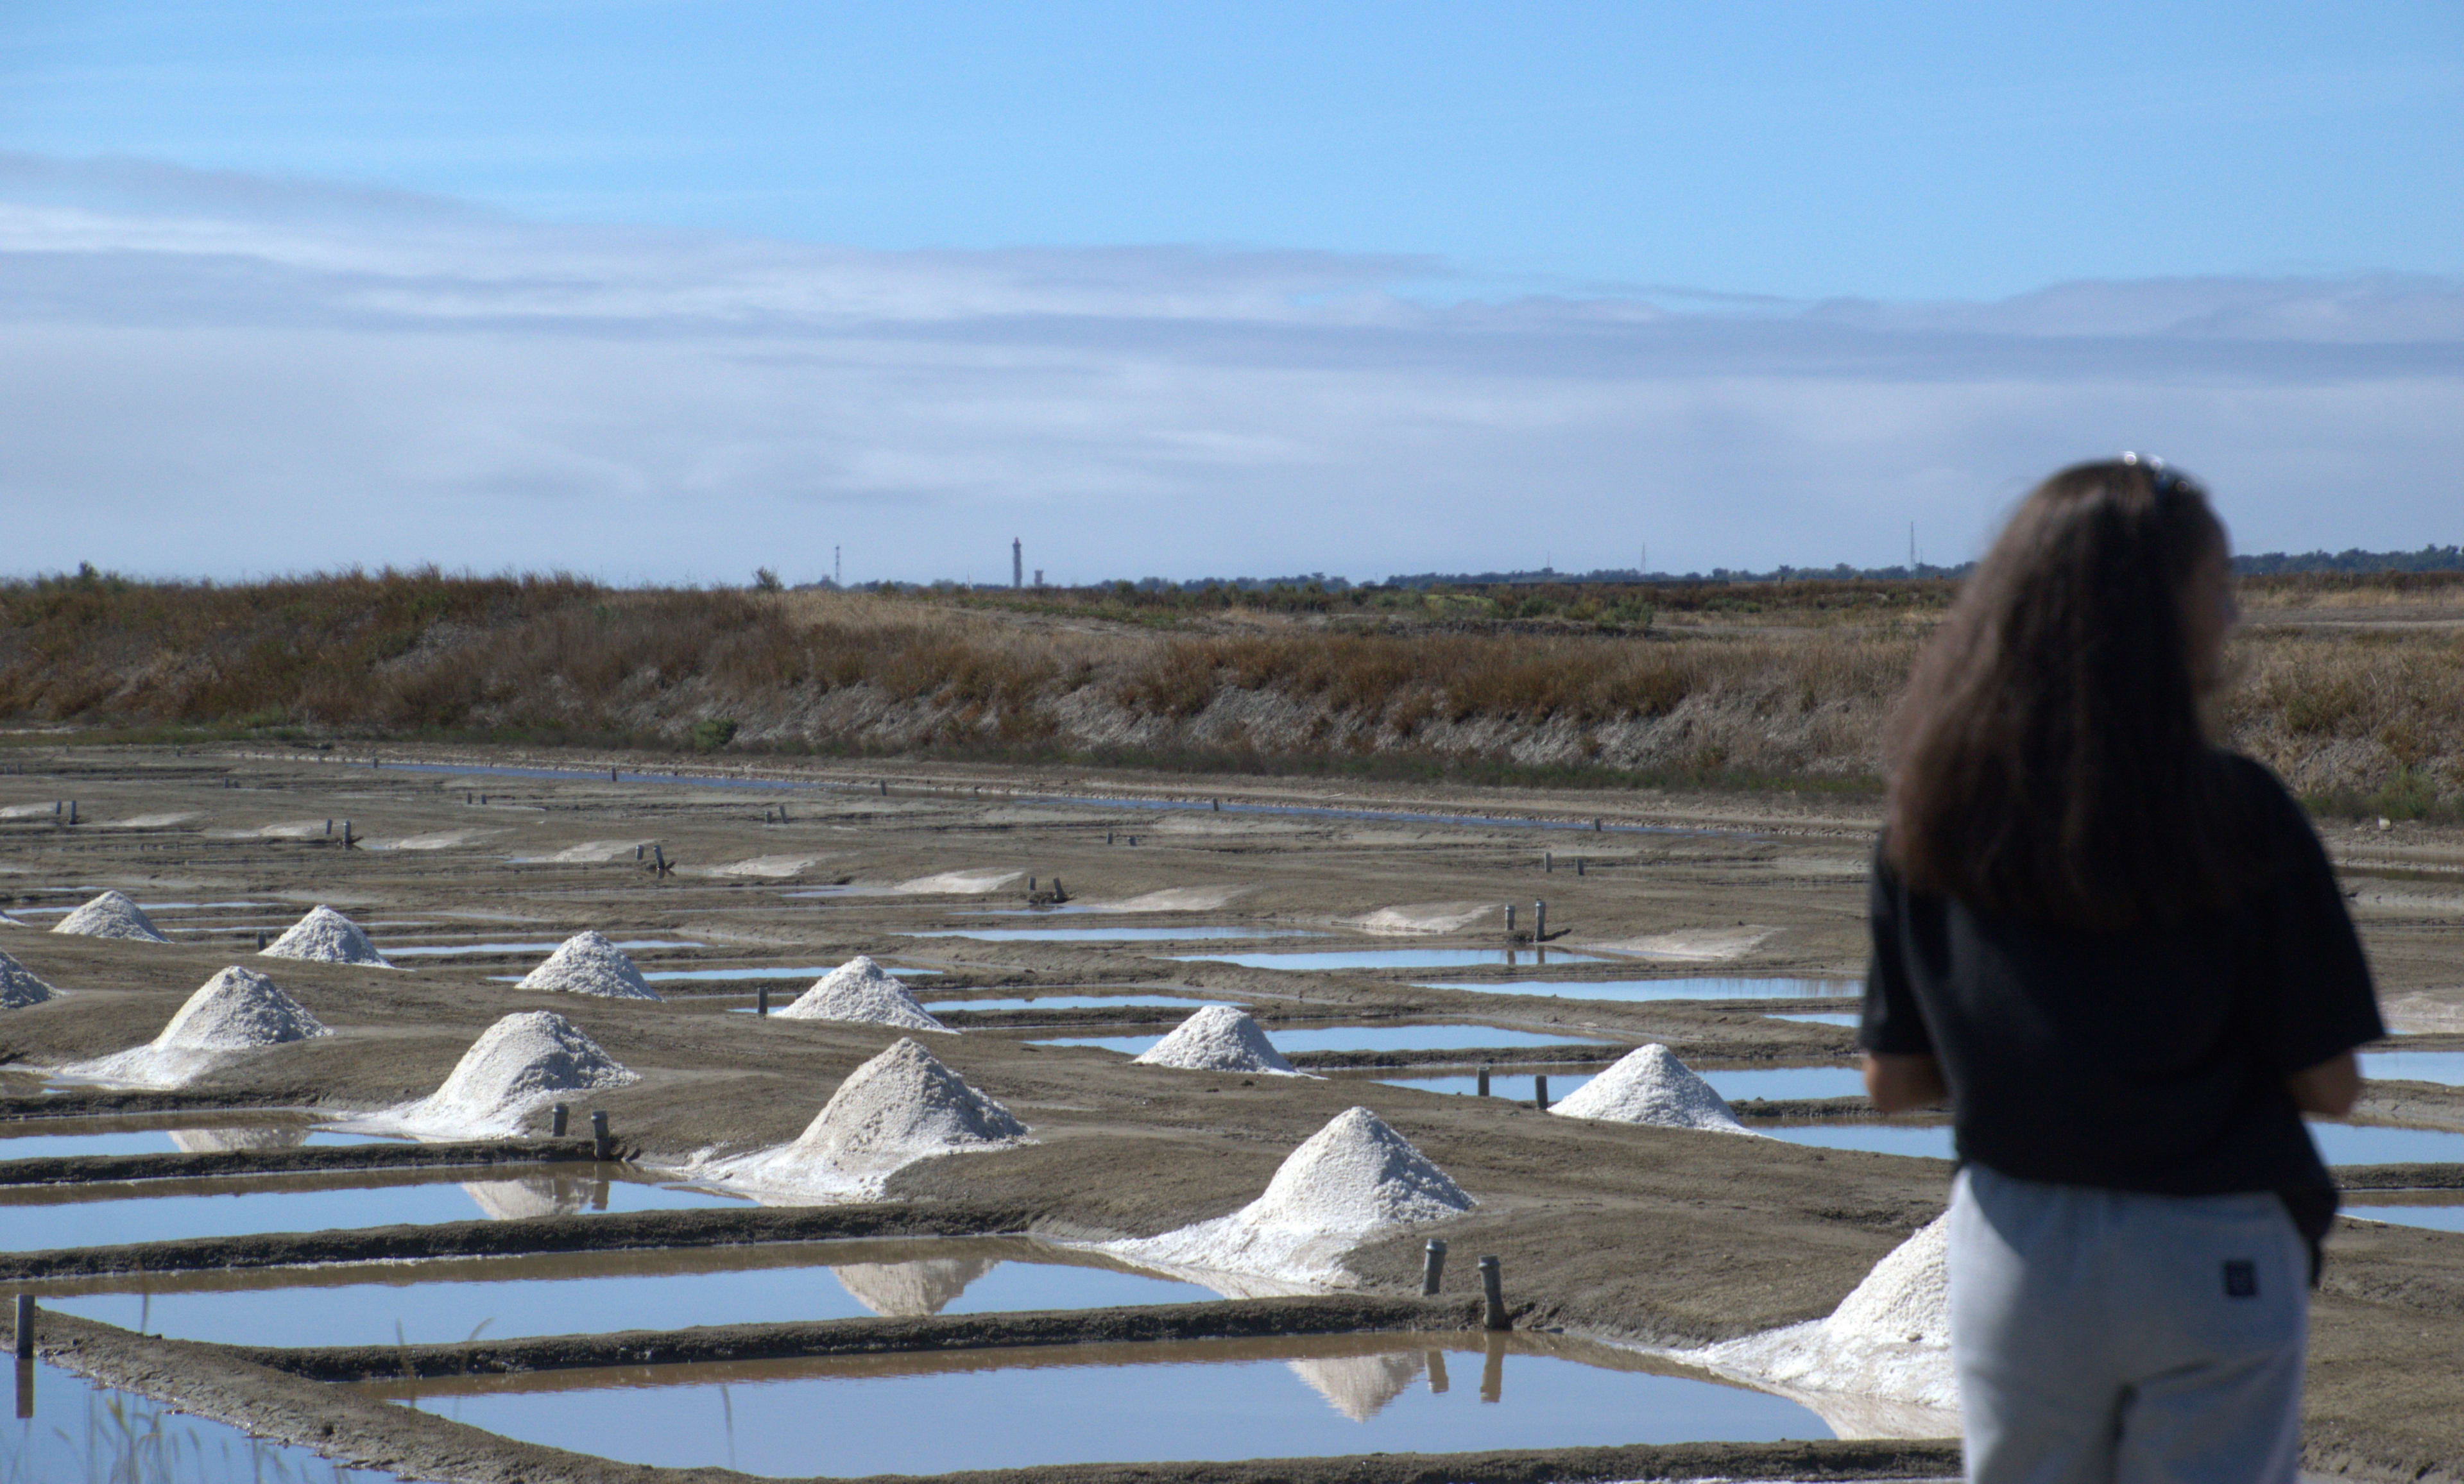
x=1492, y=1296
x=1539, y=922
x=603, y=1145
x=1540, y=1092
x=1510, y=918
x=25, y=1326
x=1484, y=1079
x=761, y=1000
x=1433, y=1266
x=556, y=1119
x=1578, y=865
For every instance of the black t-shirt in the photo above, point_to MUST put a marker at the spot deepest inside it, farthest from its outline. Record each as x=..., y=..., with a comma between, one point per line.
x=2151, y=1060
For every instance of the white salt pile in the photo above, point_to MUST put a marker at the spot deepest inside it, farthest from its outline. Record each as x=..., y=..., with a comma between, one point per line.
x=1218, y=1038
x=861, y=992
x=111, y=915
x=516, y=1067
x=588, y=964
x=1650, y=1085
x=19, y=987
x=236, y=1012
x=325, y=936
x=1889, y=1340
x=1354, y=1179
x=899, y=1107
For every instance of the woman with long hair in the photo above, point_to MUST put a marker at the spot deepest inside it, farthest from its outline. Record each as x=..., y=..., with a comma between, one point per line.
x=2119, y=952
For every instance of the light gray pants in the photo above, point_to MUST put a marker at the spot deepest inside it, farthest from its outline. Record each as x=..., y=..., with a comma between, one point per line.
x=2106, y=1335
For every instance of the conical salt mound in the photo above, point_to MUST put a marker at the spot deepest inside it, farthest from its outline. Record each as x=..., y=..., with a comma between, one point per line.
x=516, y=1067
x=901, y=1106
x=19, y=988
x=325, y=936
x=1650, y=1085
x=237, y=1011
x=588, y=964
x=1218, y=1038
x=862, y=991
x=111, y=915
x=1888, y=1340
x=1354, y=1179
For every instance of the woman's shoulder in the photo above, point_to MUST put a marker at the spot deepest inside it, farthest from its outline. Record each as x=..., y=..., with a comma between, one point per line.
x=2253, y=790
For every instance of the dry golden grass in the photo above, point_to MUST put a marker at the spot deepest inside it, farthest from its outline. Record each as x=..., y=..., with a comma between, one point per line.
x=2372, y=717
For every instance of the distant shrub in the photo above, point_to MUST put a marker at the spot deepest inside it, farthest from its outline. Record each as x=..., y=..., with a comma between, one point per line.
x=712, y=733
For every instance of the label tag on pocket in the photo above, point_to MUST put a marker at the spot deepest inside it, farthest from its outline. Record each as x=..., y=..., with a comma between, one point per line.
x=2241, y=1279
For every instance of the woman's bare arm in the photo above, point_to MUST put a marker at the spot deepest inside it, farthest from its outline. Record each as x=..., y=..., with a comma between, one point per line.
x=2329, y=1089
x=1898, y=1082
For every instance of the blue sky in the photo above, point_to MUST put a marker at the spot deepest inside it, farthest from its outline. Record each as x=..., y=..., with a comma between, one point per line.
x=653, y=290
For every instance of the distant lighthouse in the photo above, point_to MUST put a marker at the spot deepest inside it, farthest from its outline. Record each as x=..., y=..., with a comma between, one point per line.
x=1017, y=563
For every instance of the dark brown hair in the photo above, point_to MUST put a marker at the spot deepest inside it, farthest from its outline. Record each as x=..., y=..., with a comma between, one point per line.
x=2048, y=761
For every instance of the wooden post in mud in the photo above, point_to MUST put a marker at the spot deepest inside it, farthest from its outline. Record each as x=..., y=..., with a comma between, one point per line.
x=1510, y=918
x=1539, y=922
x=1540, y=1092
x=1484, y=1079
x=1433, y=1266
x=556, y=1114
x=1578, y=865
x=1492, y=1296
x=761, y=1000
x=25, y=1326
x=603, y=1145
x=1548, y=863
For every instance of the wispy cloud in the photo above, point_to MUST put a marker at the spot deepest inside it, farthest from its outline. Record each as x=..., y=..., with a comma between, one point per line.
x=213, y=374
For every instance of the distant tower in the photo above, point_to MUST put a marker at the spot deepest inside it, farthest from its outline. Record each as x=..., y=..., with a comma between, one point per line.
x=1017, y=563
x=838, y=569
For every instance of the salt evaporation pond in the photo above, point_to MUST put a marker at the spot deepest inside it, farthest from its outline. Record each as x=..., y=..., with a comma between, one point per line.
x=451, y=949
x=1931, y=1141
x=1664, y=989
x=437, y=1302
x=1758, y=1083
x=1392, y=958
x=2446, y=1215
x=2415, y=1066
x=1163, y=1403
x=1356, y=1037
x=33, y=1218
x=1071, y=1002
x=1819, y=1016
x=2373, y=1143
x=1112, y=934
x=81, y=1137
x=81, y=1431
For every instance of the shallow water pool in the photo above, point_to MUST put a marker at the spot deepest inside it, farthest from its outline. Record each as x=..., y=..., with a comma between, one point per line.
x=1355, y=1038
x=81, y=1431
x=585, y=1292
x=1925, y=1141
x=162, y=1210
x=1216, y=1399
x=1074, y=1002
x=1820, y=1016
x=2415, y=1066
x=2370, y=1144
x=1113, y=934
x=1392, y=958
x=1805, y=1082
x=1514, y=1086
x=451, y=949
x=2446, y=1215
x=1637, y=990
x=76, y=1137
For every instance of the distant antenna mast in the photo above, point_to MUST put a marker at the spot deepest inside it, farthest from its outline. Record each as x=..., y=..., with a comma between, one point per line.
x=1913, y=546
x=1017, y=563
x=838, y=571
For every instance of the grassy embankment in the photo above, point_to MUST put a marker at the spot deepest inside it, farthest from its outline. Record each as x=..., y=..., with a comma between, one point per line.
x=2353, y=687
